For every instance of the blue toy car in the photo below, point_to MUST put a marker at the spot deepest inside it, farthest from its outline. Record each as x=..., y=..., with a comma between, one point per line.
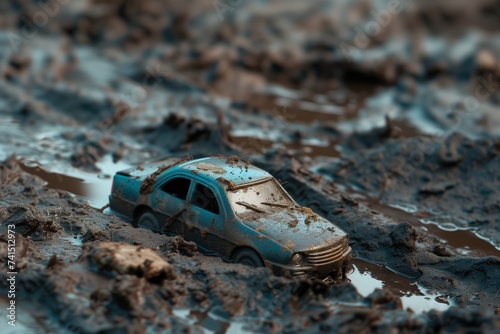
x=234, y=210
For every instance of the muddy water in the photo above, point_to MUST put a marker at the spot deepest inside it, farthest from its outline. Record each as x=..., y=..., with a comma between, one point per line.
x=320, y=105
x=348, y=109
x=93, y=187
x=303, y=108
x=254, y=145
x=464, y=241
x=212, y=323
x=367, y=277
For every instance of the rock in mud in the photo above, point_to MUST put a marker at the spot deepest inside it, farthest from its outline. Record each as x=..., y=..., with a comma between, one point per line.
x=123, y=258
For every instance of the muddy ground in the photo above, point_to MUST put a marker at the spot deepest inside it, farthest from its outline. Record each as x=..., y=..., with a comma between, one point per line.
x=385, y=121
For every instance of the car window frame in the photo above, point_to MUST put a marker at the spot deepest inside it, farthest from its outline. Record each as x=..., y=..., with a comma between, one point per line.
x=169, y=177
x=163, y=183
x=216, y=194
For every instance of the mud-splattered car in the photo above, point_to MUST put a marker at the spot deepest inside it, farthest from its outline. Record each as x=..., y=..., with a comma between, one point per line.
x=234, y=210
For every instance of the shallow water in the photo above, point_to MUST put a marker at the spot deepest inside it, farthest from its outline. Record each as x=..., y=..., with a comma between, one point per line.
x=367, y=277
x=76, y=240
x=91, y=186
x=464, y=241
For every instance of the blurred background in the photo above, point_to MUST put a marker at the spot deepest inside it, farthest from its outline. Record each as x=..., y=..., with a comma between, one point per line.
x=94, y=82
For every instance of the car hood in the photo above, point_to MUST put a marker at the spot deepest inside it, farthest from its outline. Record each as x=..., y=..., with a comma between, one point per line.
x=297, y=228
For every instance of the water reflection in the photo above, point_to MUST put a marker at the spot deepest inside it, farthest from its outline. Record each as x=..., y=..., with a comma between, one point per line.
x=367, y=277
x=93, y=187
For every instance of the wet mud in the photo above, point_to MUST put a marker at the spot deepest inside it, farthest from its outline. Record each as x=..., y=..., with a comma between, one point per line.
x=396, y=141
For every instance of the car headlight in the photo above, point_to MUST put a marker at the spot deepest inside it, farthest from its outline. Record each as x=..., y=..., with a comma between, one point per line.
x=297, y=259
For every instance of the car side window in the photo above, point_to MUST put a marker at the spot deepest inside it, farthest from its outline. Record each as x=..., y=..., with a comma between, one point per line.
x=204, y=198
x=177, y=187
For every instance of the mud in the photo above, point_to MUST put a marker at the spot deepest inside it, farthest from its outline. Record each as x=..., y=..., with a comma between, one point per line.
x=393, y=136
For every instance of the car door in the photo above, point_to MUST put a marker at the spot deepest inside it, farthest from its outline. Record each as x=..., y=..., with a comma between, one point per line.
x=205, y=219
x=170, y=201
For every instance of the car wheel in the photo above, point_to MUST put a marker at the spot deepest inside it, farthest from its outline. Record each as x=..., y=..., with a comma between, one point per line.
x=248, y=257
x=149, y=220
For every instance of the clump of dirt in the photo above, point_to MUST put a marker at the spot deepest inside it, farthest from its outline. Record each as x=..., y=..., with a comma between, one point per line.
x=228, y=184
x=233, y=159
x=179, y=134
x=178, y=245
x=305, y=210
x=404, y=237
x=126, y=259
x=88, y=154
x=210, y=167
x=28, y=221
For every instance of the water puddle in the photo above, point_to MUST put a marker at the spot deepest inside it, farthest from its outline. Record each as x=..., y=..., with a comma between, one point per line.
x=76, y=240
x=367, y=277
x=302, y=108
x=349, y=109
x=91, y=186
x=465, y=241
x=252, y=145
x=328, y=105
x=211, y=323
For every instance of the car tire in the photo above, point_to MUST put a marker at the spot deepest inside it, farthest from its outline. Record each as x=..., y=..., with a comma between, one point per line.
x=248, y=257
x=149, y=221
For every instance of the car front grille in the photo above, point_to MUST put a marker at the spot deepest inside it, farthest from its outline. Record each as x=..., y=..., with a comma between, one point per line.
x=299, y=273
x=326, y=255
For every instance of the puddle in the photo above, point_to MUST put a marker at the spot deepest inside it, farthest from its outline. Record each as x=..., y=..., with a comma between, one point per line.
x=329, y=105
x=92, y=186
x=76, y=240
x=353, y=108
x=211, y=323
x=303, y=108
x=367, y=277
x=252, y=145
x=465, y=241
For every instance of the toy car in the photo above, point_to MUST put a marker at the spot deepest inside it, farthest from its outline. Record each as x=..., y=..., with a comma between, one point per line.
x=234, y=210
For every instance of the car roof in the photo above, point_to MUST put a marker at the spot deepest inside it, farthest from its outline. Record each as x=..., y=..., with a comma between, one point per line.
x=234, y=170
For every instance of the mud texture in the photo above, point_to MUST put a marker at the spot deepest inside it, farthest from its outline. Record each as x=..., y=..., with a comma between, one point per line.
x=393, y=135
x=95, y=288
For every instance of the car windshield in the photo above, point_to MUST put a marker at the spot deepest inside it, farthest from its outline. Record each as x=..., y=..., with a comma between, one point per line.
x=260, y=198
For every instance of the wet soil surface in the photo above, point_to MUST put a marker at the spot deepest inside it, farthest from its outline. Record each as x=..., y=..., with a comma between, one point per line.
x=394, y=137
